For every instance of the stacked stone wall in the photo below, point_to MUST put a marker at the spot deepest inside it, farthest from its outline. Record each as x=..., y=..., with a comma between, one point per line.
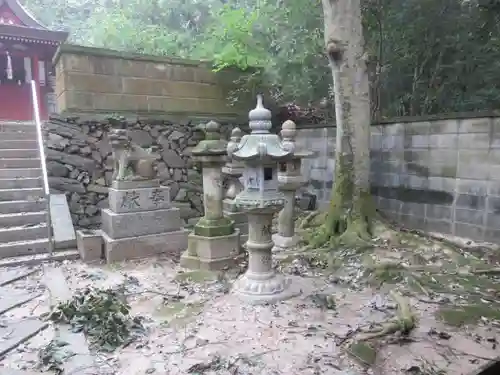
x=80, y=163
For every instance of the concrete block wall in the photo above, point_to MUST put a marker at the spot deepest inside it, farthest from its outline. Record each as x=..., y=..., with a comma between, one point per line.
x=100, y=80
x=440, y=175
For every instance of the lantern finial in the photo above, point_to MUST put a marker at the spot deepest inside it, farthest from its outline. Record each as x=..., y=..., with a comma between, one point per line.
x=260, y=117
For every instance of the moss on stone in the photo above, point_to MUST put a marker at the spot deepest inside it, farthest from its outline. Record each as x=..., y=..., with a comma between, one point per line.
x=468, y=314
x=214, y=228
x=363, y=352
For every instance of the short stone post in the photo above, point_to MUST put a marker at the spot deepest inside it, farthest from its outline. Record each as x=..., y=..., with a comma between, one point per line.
x=289, y=180
x=260, y=152
x=233, y=171
x=214, y=243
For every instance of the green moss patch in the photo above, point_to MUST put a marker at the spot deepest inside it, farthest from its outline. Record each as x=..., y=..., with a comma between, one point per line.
x=458, y=316
x=364, y=353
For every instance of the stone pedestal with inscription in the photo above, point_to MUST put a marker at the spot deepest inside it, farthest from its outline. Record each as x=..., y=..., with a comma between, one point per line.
x=141, y=222
x=260, y=152
x=214, y=243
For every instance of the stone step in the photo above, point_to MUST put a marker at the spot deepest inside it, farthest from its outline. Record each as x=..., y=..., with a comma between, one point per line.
x=19, y=163
x=28, y=135
x=29, y=260
x=9, y=207
x=15, y=153
x=23, y=233
x=20, y=183
x=19, y=332
x=11, y=301
x=12, y=126
x=24, y=248
x=22, y=218
x=21, y=194
x=17, y=144
x=11, y=276
x=21, y=172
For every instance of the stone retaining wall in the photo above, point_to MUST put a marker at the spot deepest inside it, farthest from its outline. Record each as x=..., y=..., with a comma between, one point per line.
x=80, y=164
x=98, y=80
x=437, y=175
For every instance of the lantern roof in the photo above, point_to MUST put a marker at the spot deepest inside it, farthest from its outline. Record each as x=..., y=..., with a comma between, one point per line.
x=18, y=24
x=212, y=145
x=260, y=143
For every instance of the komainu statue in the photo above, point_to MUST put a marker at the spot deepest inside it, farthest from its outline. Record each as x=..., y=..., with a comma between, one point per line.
x=131, y=162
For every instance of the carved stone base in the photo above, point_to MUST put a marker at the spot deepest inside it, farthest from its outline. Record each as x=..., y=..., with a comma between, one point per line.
x=257, y=289
x=212, y=253
x=140, y=223
x=282, y=244
x=170, y=244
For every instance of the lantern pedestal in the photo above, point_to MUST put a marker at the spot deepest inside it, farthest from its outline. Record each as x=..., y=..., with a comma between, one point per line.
x=260, y=284
x=212, y=253
x=289, y=179
x=214, y=243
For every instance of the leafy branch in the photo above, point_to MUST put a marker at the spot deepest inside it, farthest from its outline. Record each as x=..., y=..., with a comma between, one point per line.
x=103, y=315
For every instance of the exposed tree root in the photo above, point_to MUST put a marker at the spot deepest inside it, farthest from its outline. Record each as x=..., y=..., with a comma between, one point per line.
x=337, y=228
x=404, y=322
x=487, y=271
x=309, y=220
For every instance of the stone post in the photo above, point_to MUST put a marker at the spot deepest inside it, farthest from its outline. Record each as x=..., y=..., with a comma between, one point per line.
x=260, y=152
x=233, y=171
x=214, y=242
x=289, y=180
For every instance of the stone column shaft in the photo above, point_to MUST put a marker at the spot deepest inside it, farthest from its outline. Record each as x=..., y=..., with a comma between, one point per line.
x=213, y=193
x=286, y=222
x=260, y=243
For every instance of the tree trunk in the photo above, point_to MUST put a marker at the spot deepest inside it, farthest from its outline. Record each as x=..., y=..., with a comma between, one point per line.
x=351, y=207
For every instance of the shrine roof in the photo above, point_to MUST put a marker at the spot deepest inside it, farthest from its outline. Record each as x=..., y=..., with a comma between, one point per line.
x=17, y=24
x=22, y=14
x=26, y=34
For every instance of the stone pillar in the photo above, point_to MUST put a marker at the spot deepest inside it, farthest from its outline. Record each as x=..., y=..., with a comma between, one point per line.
x=289, y=179
x=214, y=243
x=286, y=222
x=233, y=171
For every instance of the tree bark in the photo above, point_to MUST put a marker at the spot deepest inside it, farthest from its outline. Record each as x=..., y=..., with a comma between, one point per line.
x=351, y=207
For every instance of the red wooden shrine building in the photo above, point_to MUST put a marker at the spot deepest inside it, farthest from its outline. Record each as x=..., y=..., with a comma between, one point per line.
x=26, y=51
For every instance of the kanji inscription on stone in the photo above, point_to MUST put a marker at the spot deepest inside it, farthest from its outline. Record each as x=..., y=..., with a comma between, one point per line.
x=157, y=197
x=267, y=230
x=130, y=200
x=267, y=260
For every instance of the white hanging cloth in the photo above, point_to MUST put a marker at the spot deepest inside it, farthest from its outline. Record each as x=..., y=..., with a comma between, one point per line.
x=41, y=73
x=27, y=70
x=9, y=67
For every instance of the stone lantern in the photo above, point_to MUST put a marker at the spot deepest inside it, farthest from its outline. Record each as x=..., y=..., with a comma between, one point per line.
x=260, y=151
x=214, y=243
x=289, y=180
x=233, y=171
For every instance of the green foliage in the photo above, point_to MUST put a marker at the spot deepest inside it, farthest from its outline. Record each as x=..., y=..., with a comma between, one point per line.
x=103, y=315
x=425, y=56
x=52, y=356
